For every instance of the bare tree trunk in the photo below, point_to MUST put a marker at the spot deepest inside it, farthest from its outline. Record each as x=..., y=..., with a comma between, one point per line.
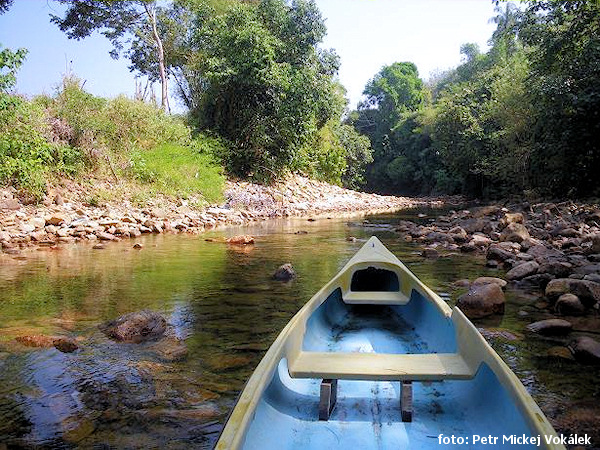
x=161, y=58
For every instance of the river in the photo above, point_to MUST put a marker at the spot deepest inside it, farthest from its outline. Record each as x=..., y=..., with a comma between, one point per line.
x=221, y=300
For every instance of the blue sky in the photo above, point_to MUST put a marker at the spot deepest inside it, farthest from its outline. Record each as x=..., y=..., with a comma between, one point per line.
x=367, y=34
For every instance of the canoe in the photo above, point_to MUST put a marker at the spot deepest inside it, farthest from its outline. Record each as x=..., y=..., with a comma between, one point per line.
x=377, y=360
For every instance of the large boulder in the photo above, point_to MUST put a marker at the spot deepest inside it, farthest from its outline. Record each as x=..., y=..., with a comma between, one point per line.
x=587, y=291
x=560, y=269
x=551, y=327
x=542, y=253
x=523, y=270
x=480, y=240
x=475, y=225
x=285, y=272
x=536, y=281
x=136, y=327
x=586, y=350
x=482, y=301
x=514, y=232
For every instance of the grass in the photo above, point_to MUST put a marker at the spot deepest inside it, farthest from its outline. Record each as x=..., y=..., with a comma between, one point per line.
x=179, y=171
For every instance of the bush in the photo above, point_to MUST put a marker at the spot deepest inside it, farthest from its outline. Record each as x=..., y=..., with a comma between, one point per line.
x=26, y=154
x=117, y=125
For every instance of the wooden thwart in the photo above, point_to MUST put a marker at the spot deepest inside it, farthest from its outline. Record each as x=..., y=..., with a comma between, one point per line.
x=380, y=367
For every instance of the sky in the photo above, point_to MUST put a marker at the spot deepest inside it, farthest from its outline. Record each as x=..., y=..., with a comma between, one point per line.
x=366, y=34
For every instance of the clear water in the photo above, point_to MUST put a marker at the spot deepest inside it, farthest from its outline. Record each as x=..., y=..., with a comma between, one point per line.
x=221, y=300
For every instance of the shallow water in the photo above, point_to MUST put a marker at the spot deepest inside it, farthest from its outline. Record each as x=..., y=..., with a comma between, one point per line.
x=221, y=301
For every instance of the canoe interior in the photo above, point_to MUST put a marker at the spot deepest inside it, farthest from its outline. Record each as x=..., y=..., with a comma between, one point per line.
x=416, y=327
x=367, y=414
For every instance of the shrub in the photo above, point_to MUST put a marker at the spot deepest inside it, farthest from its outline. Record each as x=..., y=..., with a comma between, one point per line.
x=26, y=154
x=118, y=125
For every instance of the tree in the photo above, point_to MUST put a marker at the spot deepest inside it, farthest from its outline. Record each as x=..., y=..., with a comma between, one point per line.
x=5, y=5
x=564, y=88
x=137, y=22
x=262, y=83
x=10, y=62
x=392, y=96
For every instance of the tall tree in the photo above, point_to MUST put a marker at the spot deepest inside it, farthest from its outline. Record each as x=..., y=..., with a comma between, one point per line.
x=263, y=83
x=392, y=97
x=135, y=22
x=564, y=87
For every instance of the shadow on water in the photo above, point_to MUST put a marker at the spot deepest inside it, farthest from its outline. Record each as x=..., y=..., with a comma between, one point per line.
x=221, y=300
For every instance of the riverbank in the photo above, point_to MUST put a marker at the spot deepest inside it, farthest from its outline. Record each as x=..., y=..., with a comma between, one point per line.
x=71, y=212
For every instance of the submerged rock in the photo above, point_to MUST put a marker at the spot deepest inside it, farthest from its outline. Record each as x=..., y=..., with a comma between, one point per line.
x=136, y=327
x=560, y=353
x=285, y=272
x=242, y=239
x=62, y=343
x=430, y=253
x=482, y=301
x=170, y=349
x=550, y=327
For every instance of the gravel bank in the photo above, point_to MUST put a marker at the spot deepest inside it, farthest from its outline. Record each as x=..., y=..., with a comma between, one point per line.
x=64, y=217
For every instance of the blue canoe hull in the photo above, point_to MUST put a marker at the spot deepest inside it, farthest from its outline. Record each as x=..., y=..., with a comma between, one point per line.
x=473, y=400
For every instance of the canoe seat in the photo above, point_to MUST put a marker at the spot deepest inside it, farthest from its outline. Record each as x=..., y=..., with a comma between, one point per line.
x=375, y=298
x=381, y=367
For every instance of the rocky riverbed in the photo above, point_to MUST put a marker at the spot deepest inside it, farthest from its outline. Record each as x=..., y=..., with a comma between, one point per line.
x=65, y=217
x=547, y=249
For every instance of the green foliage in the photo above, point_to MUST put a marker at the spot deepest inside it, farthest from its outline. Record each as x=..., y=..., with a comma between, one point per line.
x=337, y=154
x=564, y=91
x=5, y=5
x=68, y=133
x=324, y=156
x=521, y=118
x=265, y=87
x=388, y=116
x=117, y=125
x=120, y=22
x=358, y=155
x=10, y=62
x=180, y=171
x=26, y=154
